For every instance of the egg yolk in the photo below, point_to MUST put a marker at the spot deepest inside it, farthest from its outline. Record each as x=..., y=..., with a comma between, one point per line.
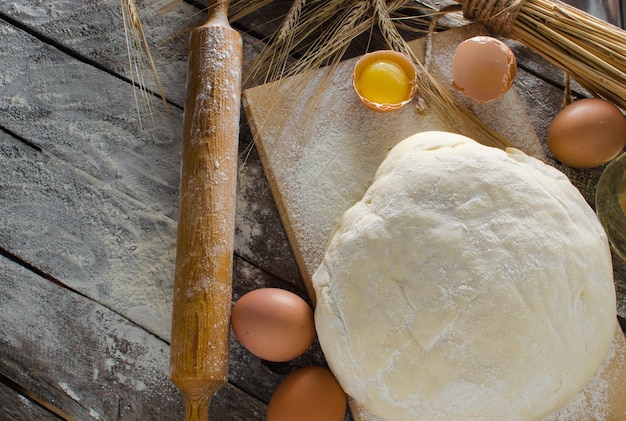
x=384, y=82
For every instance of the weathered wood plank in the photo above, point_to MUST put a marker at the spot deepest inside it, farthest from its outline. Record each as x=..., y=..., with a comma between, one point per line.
x=94, y=30
x=87, y=235
x=91, y=237
x=259, y=234
x=93, y=362
x=17, y=407
x=87, y=360
x=83, y=116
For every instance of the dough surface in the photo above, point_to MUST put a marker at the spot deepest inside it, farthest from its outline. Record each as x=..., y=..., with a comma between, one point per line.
x=469, y=283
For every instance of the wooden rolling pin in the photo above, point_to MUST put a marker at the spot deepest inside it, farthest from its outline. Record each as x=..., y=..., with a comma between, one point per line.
x=204, y=252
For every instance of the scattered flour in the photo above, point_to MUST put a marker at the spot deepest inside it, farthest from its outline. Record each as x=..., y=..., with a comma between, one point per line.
x=322, y=155
x=66, y=388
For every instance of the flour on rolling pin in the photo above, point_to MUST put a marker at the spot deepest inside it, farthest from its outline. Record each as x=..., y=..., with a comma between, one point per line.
x=320, y=146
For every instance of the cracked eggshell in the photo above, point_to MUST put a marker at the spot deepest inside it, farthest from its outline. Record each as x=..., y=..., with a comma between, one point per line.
x=483, y=68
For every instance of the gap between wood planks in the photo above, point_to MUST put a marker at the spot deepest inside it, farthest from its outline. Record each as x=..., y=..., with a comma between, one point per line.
x=42, y=403
x=78, y=56
x=82, y=58
x=16, y=259
x=241, y=28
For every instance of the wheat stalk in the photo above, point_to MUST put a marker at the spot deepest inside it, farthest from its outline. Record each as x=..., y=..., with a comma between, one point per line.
x=336, y=24
x=139, y=56
x=337, y=21
x=239, y=9
x=329, y=47
x=438, y=97
x=277, y=58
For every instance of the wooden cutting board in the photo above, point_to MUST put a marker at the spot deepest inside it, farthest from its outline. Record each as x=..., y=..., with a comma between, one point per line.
x=320, y=148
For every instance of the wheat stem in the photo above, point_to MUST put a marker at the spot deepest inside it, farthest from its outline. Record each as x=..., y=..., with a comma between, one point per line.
x=445, y=105
x=139, y=57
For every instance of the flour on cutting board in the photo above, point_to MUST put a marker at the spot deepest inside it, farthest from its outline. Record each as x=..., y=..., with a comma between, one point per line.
x=505, y=115
x=320, y=149
x=320, y=146
x=592, y=403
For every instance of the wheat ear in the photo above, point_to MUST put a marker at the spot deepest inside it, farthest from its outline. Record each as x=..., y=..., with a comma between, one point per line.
x=139, y=56
x=445, y=105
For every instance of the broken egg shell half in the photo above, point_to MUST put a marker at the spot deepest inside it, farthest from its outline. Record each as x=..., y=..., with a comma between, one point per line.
x=392, y=56
x=483, y=68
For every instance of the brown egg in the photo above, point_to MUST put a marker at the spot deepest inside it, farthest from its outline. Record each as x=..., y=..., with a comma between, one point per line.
x=587, y=133
x=309, y=394
x=273, y=324
x=483, y=68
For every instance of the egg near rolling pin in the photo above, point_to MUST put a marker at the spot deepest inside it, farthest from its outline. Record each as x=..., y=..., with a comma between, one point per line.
x=274, y=324
x=308, y=394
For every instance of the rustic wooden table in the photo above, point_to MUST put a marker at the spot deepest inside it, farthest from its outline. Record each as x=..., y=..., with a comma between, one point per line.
x=88, y=210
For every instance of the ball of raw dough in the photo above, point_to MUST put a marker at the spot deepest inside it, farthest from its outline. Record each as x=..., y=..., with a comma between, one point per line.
x=468, y=283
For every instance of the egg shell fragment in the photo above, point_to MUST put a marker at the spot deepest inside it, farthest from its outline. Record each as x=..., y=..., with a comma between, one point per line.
x=587, y=133
x=274, y=324
x=309, y=394
x=483, y=68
